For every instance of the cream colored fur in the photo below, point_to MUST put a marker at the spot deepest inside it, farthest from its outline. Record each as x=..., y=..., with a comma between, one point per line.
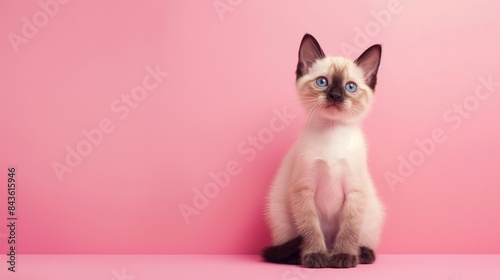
x=323, y=190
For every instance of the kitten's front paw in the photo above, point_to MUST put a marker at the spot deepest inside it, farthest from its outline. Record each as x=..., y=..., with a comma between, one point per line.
x=315, y=260
x=366, y=255
x=343, y=260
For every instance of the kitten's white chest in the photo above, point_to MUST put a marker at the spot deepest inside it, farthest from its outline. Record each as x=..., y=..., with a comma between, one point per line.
x=334, y=155
x=328, y=192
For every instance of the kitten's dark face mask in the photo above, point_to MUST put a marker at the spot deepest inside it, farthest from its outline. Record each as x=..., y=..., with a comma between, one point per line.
x=335, y=90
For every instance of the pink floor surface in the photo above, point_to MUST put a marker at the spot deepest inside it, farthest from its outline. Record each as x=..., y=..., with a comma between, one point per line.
x=200, y=267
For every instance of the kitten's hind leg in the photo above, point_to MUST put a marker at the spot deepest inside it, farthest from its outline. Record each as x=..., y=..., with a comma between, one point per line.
x=370, y=231
x=286, y=253
x=287, y=243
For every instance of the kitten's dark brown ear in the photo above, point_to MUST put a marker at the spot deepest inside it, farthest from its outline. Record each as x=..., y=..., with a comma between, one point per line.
x=309, y=52
x=369, y=62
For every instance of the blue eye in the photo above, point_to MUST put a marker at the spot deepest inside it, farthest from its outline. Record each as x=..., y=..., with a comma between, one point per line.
x=351, y=87
x=321, y=81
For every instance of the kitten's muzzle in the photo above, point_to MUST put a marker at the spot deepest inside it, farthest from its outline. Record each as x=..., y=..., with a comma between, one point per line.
x=335, y=96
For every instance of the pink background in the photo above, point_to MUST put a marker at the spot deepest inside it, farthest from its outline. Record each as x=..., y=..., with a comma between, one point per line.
x=228, y=75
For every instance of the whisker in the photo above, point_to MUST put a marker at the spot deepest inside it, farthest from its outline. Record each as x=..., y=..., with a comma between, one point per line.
x=312, y=113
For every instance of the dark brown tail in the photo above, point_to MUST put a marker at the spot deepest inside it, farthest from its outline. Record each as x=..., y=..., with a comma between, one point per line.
x=286, y=253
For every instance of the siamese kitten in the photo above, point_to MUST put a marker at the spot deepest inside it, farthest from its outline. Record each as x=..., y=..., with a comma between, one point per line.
x=323, y=210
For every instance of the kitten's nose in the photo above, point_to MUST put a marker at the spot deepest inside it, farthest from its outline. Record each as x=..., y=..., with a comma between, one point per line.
x=335, y=96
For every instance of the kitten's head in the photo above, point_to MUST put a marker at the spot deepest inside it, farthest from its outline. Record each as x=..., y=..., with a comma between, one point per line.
x=336, y=88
